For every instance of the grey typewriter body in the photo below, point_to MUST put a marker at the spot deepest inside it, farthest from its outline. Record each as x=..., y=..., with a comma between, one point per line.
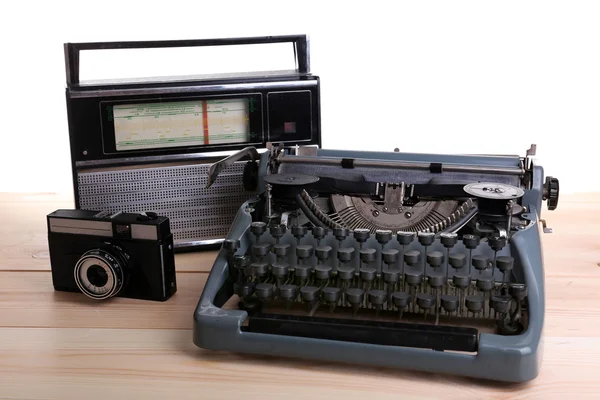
x=415, y=261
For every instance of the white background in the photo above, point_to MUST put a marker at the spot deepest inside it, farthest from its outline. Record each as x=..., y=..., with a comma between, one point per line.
x=424, y=76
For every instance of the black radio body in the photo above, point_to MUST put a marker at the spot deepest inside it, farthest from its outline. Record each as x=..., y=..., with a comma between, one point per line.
x=146, y=145
x=104, y=255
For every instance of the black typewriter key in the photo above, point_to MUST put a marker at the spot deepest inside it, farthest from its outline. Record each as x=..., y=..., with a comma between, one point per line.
x=426, y=302
x=448, y=240
x=304, y=251
x=310, y=294
x=299, y=232
x=474, y=303
x=259, y=269
x=461, y=282
x=471, y=241
x=500, y=304
x=401, y=300
x=302, y=271
x=323, y=253
x=331, y=295
x=518, y=291
x=481, y=263
x=413, y=278
x=264, y=291
x=241, y=263
x=405, y=238
x=345, y=254
x=281, y=250
x=345, y=273
x=412, y=257
x=277, y=231
x=244, y=289
x=258, y=228
x=497, y=243
x=355, y=297
x=377, y=298
x=505, y=264
x=435, y=258
x=323, y=272
x=361, y=235
x=449, y=303
x=391, y=276
x=340, y=234
x=436, y=281
x=390, y=256
x=289, y=293
x=383, y=236
x=319, y=233
x=457, y=261
x=426, y=238
x=280, y=270
x=367, y=274
x=261, y=249
x=485, y=283
x=231, y=245
x=367, y=256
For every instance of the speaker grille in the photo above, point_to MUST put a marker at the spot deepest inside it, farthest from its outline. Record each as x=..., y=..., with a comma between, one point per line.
x=178, y=192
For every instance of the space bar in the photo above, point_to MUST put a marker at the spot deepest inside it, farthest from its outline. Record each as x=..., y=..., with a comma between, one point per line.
x=436, y=337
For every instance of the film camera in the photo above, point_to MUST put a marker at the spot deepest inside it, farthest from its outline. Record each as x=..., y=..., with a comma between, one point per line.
x=104, y=255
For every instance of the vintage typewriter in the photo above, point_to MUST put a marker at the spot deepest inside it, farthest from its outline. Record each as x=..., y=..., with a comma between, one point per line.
x=416, y=261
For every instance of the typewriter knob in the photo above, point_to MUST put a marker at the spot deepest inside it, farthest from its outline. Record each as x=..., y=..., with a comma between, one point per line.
x=340, y=233
x=319, y=232
x=551, y=192
x=497, y=243
x=426, y=238
x=471, y=241
x=405, y=238
x=518, y=291
x=383, y=236
x=277, y=231
x=231, y=245
x=298, y=231
x=448, y=239
x=361, y=235
x=505, y=263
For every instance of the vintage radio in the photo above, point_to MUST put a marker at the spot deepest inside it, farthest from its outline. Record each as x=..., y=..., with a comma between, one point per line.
x=146, y=144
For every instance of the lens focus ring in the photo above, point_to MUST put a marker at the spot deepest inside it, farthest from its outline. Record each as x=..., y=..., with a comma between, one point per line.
x=99, y=274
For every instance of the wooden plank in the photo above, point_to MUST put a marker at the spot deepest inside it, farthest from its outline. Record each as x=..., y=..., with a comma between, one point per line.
x=27, y=299
x=117, y=363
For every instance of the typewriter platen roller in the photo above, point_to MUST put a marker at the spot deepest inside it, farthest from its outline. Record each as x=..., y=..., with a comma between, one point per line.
x=416, y=261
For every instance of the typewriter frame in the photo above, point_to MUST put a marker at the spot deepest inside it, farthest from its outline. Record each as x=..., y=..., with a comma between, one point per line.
x=514, y=358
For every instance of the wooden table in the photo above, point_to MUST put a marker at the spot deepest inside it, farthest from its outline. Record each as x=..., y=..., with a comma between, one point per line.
x=59, y=345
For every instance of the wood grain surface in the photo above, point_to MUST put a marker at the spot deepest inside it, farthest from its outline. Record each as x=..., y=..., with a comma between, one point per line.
x=62, y=345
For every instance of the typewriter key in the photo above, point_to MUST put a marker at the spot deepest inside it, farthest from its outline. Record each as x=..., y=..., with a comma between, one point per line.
x=436, y=281
x=367, y=256
x=277, y=231
x=264, y=291
x=345, y=273
x=497, y=243
x=448, y=240
x=474, y=303
x=485, y=283
x=302, y=271
x=481, y=263
x=426, y=238
x=505, y=264
x=231, y=245
x=281, y=250
x=288, y=292
x=323, y=253
x=501, y=305
x=367, y=274
x=471, y=241
x=244, y=289
x=405, y=238
x=299, y=232
x=401, y=301
x=304, y=251
x=259, y=269
x=518, y=291
x=323, y=272
x=309, y=294
x=413, y=278
x=340, y=234
x=331, y=295
x=390, y=256
x=355, y=297
x=426, y=302
x=319, y=233
x=258, y=228
x=280, y=270
x=461, y=282
x=391, y=276
x=449, y=303
x=361, y=235
x=383, y=236
x=435, y=258
x=345, y=254
x=412, y=257
x=457, y=261
x=377, y=298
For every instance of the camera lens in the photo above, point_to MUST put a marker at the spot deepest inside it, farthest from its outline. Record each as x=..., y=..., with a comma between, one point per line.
x=99, y=274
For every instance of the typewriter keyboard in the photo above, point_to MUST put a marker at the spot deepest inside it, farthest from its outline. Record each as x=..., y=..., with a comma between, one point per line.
x=400, y=275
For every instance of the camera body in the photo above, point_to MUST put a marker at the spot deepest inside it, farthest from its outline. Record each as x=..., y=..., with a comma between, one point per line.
x=104, y=255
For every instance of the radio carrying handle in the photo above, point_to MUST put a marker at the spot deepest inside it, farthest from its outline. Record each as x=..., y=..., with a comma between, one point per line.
x=72, y=50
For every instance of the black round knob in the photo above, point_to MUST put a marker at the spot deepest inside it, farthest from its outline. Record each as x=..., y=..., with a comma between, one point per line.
x=425, y=301
x=497, y=243
x=457, y=260
x=413, y=278
x=340, y=233
x=401, y=299
x=551, y=192
x=258, y=227
x=319, y=232
x=461, y=281
x=281, y=250
x=323, y=252
x=474, y=303
x=264, y=291
x=412, y=257
x=405, y=238
x=244, y=289
x=448, y=239
x=449, y=303
x=500, y=304
x=471, y=241
x=309, y=293
x=435, y=258
x=355, y=295
x=383, y=236
x=391, y=276
x=436, y=280
x=361, y=235
x=304, y=251
x=505, y=263
x=298, y=231
x=277, y=231
x=288, y=292
x=323, y=272
x=331, y=294
x=367, y=273
x=345, y=273
x=280, y=270
x=259, y=269
x=261, y=249
x=241, y=261
x=231, y=245
x=518, y=291
x=367, y=255
x=377, y=297
x=345, y=254
x=302, y=271
x=480, y=262
x=390, y=256
x=426, y=238
x=485, y=283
